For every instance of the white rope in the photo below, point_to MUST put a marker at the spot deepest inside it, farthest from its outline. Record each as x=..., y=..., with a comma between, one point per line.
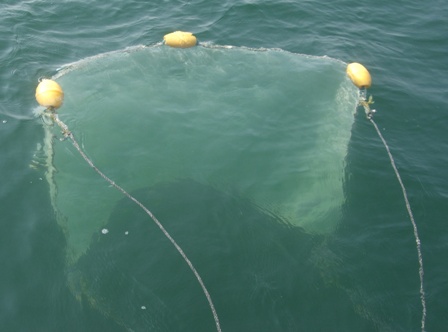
x=414, y=225
x=67, y=133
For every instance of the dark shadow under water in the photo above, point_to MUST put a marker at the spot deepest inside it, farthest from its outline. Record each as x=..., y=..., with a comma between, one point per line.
x=262, y=274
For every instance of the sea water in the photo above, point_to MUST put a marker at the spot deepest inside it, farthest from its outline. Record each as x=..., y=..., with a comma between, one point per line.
x=363, y=276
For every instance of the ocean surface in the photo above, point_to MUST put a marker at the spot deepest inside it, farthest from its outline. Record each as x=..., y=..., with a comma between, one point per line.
x=263, y=273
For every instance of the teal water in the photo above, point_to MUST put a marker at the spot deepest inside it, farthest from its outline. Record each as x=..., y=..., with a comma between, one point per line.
x=263, y=275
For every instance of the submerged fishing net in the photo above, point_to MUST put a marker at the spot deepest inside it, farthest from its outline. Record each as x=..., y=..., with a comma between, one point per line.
x=266, y=125
x=260, y=272
x=239, y=152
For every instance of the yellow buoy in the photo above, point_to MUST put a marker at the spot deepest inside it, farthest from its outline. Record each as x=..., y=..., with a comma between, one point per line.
x=359, y=75
x=180, y=39
x=49, y=94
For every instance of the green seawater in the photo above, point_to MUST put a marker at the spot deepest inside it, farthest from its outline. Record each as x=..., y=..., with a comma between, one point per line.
x=264, y=272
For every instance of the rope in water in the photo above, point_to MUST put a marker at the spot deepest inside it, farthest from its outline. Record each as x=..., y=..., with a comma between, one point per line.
x=67, y=133
x=369, y=114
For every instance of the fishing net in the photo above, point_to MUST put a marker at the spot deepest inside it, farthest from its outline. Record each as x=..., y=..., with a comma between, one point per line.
x=267, y=125
x=232, y=149
x=260, y=271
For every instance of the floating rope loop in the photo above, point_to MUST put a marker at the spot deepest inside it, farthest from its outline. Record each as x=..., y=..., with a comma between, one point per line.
x=68, y=134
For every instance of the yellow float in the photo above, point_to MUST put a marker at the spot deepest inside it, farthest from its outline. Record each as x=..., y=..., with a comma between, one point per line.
x=180, y=39
x=359, y=75
x=49, y=94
